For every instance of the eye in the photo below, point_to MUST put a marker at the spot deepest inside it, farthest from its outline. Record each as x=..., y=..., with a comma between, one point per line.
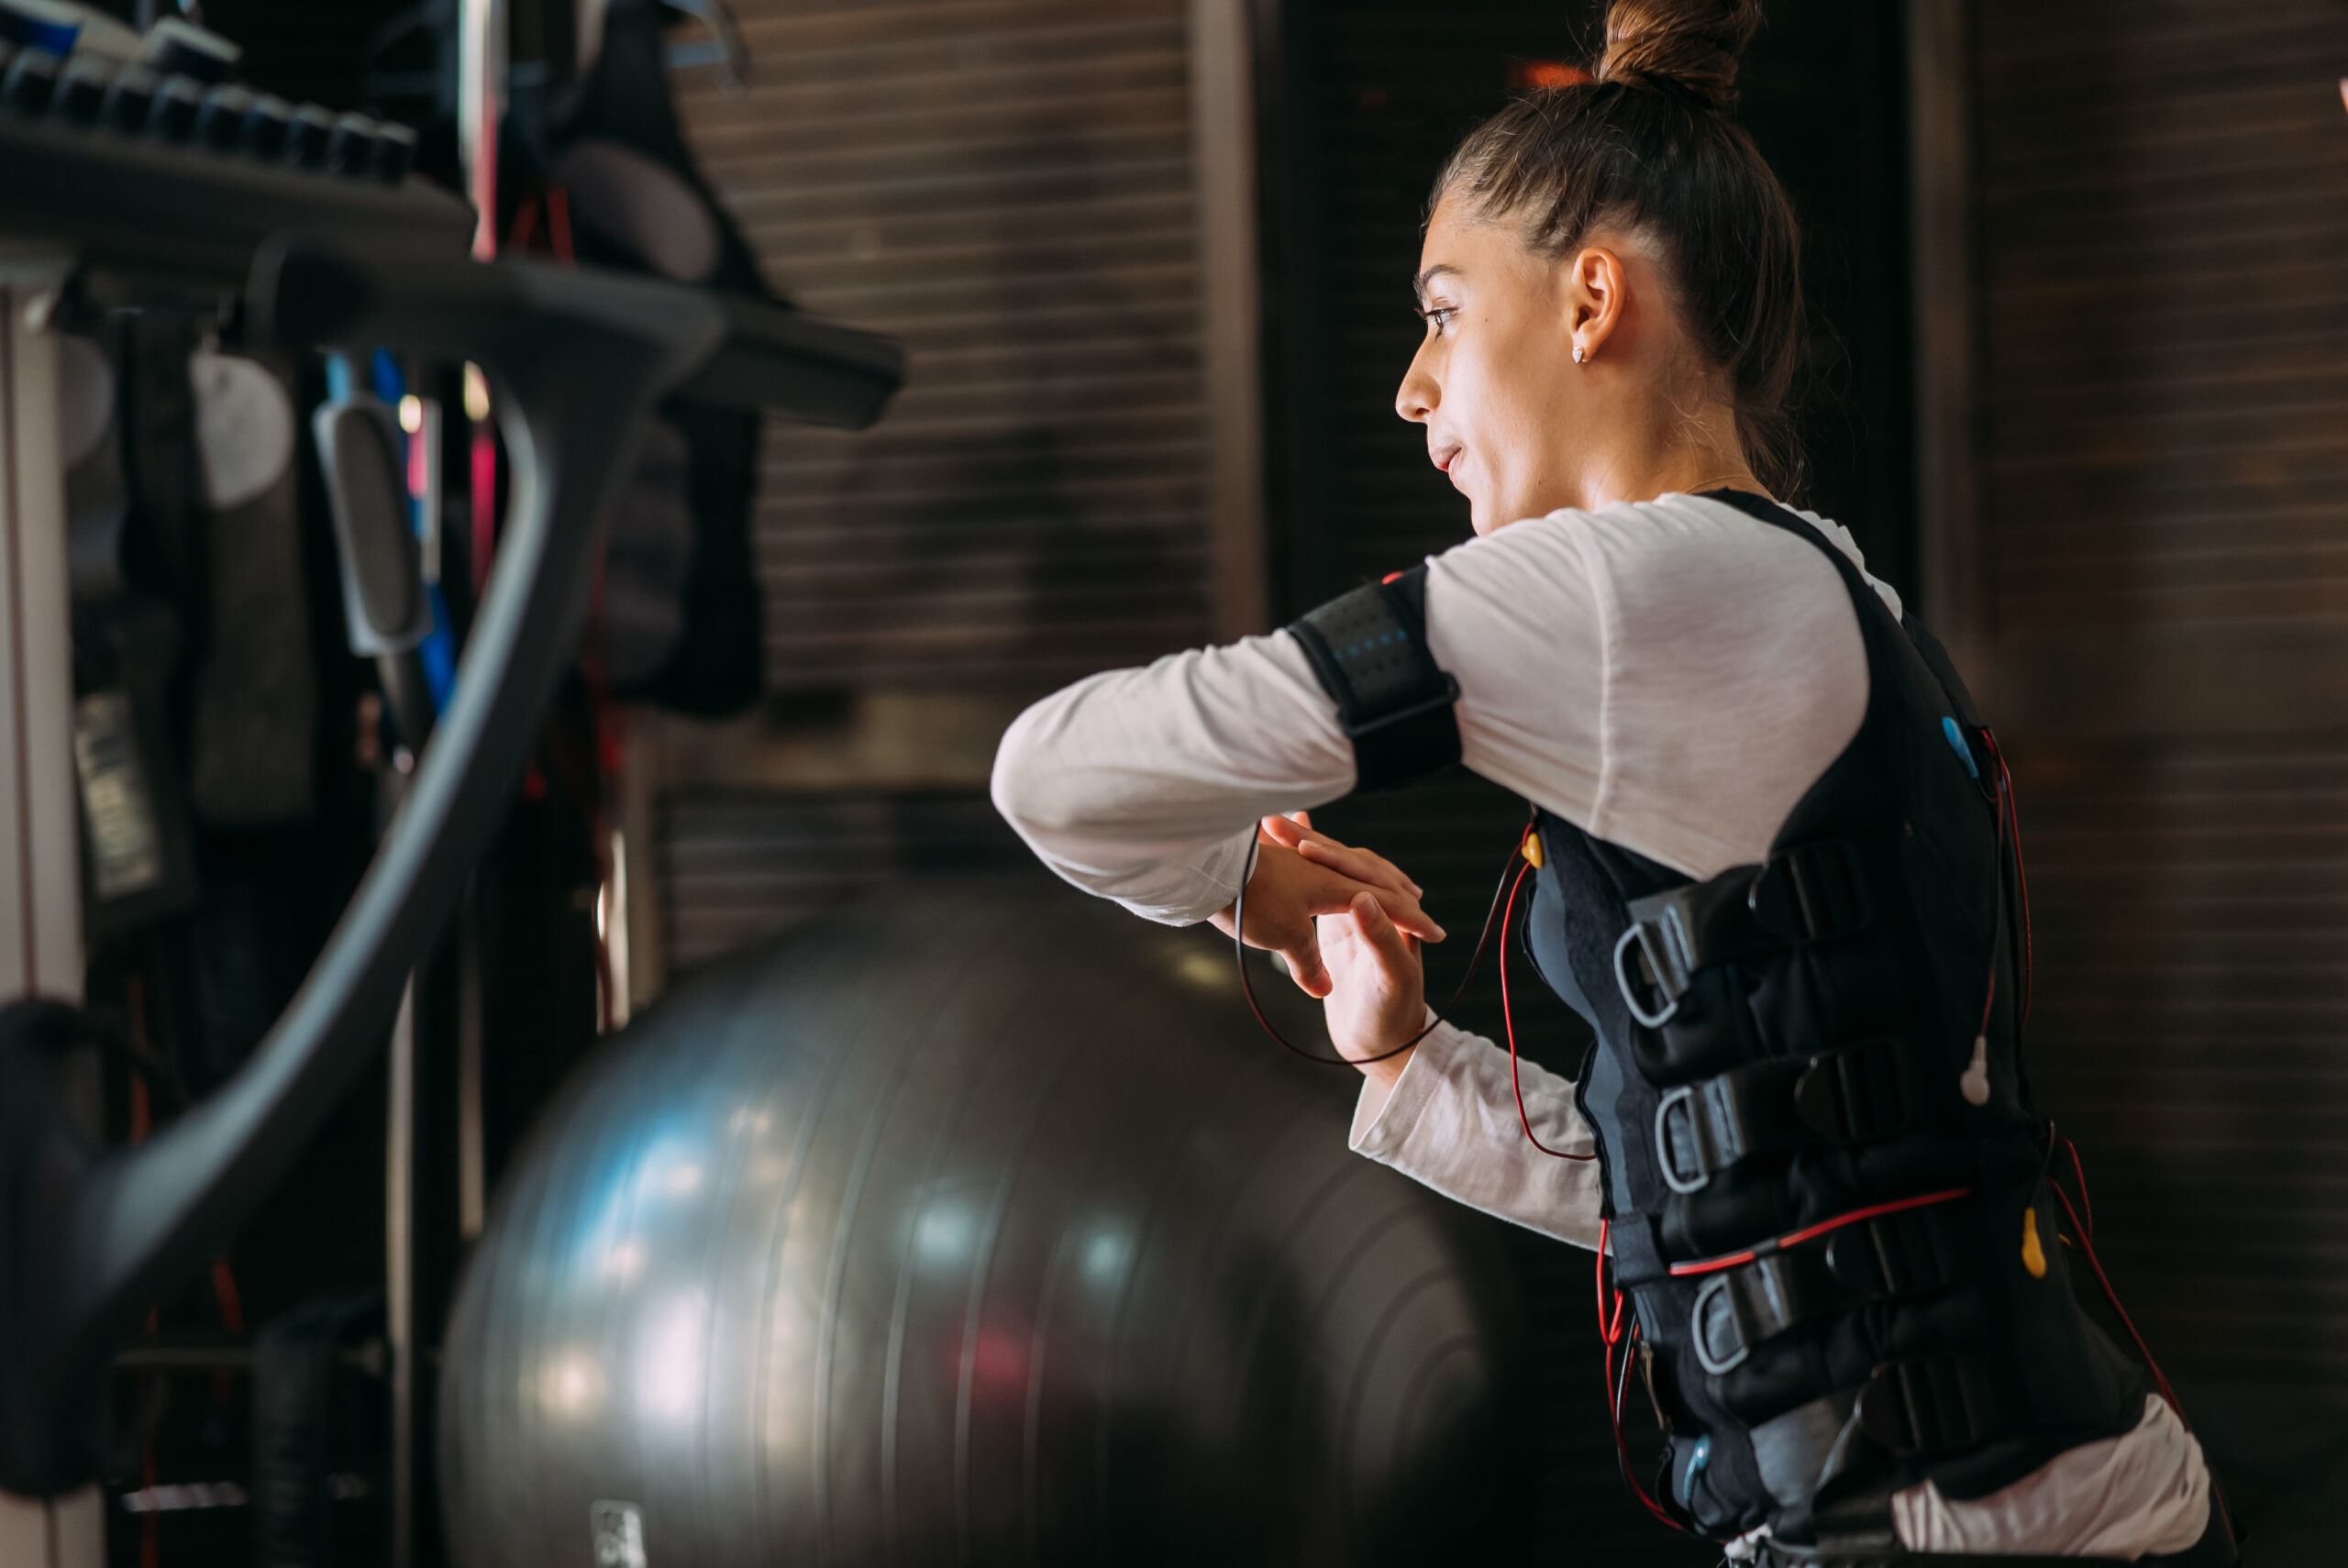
x=1437, y=317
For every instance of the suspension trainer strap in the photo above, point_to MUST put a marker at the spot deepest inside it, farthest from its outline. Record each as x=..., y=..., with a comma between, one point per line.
x=1369, y=649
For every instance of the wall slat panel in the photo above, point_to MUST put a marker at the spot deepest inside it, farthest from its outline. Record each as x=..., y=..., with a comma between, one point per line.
x=1006, y=185
x=2135, y=159
x=2163, y=338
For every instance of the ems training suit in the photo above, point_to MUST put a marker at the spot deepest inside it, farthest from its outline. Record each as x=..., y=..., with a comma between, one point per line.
x=1626, y=670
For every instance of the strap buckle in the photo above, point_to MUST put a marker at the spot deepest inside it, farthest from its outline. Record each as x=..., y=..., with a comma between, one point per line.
x=1857, y=1094
x=1929, y=1405
x=1812, y=892
x=1911, y=1253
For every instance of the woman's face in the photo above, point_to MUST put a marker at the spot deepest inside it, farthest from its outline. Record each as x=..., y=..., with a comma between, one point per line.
x=1520, y=427
x=1494, y=381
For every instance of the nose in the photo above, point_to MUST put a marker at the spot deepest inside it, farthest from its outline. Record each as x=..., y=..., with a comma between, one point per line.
x=1418, y=395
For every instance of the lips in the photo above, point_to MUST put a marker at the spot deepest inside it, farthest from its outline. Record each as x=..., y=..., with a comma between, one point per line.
x=1444, y=457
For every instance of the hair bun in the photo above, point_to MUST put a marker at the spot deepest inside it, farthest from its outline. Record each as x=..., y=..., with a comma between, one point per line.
x=1693, y=45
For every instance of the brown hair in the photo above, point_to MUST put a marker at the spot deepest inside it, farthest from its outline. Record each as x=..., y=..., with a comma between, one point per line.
x=1647, y=144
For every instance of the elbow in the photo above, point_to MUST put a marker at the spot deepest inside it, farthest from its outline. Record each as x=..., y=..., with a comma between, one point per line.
x=1021, y=783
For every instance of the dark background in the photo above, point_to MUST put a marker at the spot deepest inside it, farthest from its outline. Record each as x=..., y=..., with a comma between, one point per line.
x=1359, y=104
x=2159, y=199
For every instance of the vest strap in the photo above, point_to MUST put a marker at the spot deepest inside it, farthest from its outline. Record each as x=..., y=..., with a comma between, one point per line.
x=1857, y=1095
x=1916, y=1408
x=1810, y=893
x=1776, y=1555
x=1930, y=1405
x=1911, y=1253
x=1369, y=649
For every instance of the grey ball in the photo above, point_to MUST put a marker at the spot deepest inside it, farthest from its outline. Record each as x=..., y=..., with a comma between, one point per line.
x=977, y=1224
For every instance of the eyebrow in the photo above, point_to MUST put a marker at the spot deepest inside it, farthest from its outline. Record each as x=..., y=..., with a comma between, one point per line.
x=1418, y=284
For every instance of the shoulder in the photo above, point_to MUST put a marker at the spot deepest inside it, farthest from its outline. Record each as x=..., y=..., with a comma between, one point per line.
x=1681, y=546
x=1650, y=556
x=1736, y=672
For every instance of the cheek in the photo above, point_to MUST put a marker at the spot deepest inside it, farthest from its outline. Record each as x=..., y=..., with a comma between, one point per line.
x=1502, y=415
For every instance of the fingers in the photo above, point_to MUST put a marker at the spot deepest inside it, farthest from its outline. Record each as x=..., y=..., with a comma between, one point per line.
x=1383, y=938
x=1286, y=895
x=1334, y=892
x=1361, y=864
x=1406, y=914
x=1297, y=833
x=1306, y=968
x=1286, y=832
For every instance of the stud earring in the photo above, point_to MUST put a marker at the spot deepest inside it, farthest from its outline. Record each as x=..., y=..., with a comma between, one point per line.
x=1578, y=355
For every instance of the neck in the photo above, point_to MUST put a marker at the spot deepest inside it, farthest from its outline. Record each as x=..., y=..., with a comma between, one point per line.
x=1667, y=449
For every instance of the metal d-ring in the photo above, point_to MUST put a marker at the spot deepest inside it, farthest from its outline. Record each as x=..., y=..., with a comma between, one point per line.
x=1630, y=992
x=1716, y=1285
x=1671, y=1176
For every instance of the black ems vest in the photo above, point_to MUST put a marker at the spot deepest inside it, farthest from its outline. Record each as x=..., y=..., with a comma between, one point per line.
x=1834, y=1224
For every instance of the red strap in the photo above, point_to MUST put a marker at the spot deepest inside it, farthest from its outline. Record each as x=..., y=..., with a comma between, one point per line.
x=1811, y=1234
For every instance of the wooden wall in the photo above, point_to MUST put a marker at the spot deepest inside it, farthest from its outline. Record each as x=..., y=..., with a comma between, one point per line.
x=2156, y=595
x=1006, y=186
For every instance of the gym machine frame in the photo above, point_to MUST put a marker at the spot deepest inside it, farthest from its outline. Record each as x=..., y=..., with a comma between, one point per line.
x=90, y=1235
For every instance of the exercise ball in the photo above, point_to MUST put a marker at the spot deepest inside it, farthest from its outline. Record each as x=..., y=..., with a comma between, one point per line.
x=976, y=1225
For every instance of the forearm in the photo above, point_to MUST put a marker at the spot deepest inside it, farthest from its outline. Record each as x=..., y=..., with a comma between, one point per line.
x=1144, y=784
x=1449, y=1119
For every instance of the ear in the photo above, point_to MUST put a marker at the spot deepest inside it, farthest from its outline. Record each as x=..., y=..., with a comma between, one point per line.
x=1597, y=289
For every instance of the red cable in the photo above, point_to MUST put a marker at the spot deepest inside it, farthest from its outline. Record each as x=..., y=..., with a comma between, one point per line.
x=1989, y=994
x=2080, y=1173
x=1247, y=986
x=2086, y=1248
x=2021, y=886
x=2010, y=829
x=526, y=223
x=559, y=225
x=1609, y=1334
x=150, y=1524
x=481, y=490
x=1508, y=1022
x=1811, y=1232
x=232, y=1318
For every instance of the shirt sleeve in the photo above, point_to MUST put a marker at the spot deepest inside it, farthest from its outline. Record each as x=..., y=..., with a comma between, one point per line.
x=1145, y=785
x=1624, y=669
x=1450, y=1121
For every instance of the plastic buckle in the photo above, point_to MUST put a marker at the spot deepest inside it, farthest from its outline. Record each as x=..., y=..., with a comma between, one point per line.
x=1668, y=968
x=1860, y=1093
x=1815, y=893
x=1927, y=1404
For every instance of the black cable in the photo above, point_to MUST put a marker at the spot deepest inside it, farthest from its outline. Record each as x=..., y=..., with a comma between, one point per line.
x=1248, y=987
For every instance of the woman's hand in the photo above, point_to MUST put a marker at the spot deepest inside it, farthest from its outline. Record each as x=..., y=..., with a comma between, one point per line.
x=1376, y=1001
x=1302, y=875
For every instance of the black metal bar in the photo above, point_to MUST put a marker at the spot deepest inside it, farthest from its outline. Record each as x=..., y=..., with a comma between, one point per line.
x=580, y=359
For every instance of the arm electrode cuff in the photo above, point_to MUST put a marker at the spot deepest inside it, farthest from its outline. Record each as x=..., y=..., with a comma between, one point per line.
x=1369, y=649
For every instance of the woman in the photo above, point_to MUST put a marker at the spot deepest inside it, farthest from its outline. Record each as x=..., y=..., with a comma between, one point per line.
x=1773, y=856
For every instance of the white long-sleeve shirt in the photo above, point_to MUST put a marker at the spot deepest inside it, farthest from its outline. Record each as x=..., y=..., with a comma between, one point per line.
x=1625, y=670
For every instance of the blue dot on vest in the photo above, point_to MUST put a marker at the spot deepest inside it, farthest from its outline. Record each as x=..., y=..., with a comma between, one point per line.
x=1963, y=752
